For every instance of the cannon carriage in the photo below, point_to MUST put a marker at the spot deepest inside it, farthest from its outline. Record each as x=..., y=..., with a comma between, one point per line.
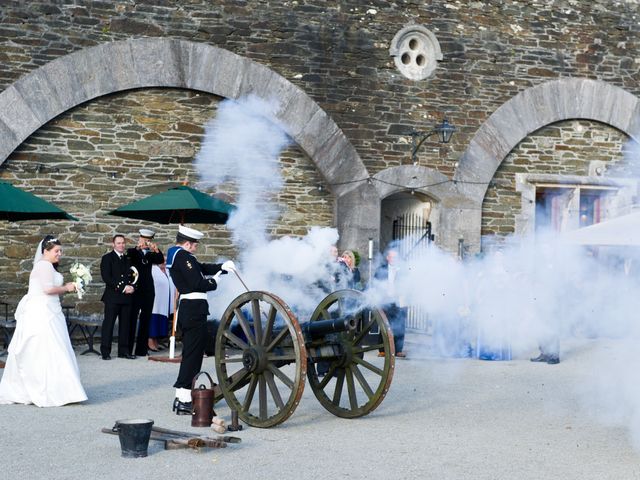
x=263, y=354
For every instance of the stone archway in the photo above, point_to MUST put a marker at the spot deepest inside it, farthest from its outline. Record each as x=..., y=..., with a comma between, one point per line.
x=81, y=76
x=76, y=78
x=433, y=184
x=530, y=110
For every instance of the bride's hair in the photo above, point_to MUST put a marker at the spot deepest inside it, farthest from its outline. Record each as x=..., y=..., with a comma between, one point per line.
x=48, y=242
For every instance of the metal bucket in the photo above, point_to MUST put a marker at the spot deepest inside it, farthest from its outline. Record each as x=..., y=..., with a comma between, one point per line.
x=202, y=403
x=134, y=436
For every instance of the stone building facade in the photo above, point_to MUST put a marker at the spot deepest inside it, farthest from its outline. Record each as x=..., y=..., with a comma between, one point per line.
x=104, y=102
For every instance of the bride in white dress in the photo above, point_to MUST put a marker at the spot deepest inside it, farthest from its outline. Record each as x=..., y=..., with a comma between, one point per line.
x=41, y=367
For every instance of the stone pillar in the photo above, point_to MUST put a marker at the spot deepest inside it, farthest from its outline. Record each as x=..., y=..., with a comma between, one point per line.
x=461, y=221
x=358, y=219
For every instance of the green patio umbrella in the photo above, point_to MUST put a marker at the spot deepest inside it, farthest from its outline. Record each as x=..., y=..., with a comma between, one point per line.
x=177, y=205
x=16, y=204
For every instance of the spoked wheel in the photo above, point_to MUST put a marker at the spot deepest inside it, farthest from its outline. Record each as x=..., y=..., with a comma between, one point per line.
x=358, y=377
x=261, y=359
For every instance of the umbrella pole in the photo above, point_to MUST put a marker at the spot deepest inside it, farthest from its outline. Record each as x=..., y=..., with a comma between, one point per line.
x=172, y=339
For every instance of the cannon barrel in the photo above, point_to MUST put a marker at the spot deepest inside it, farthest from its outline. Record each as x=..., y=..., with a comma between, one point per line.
x=321, y=328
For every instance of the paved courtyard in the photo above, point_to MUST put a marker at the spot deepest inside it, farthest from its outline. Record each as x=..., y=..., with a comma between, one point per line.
x=442, y=419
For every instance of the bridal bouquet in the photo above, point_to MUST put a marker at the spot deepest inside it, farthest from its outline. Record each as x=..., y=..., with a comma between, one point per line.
x=81, y=277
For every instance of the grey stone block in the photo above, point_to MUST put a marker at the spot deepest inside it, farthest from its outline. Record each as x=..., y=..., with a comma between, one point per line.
x=158, y=62
x=65, y=81
x=8, y=141
x=215, y=70
x=298, y=108
x=16, y=114
x=41, y=95
x=338, y=161
x=358, y=217
x=316, y=132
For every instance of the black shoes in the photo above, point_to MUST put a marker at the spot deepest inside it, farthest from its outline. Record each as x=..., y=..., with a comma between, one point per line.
x=550, y=359
x=130, y=357
x=106, y=357
x=182, y=408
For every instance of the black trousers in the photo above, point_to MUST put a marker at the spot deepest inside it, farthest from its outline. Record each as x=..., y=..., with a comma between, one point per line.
x=397, y=317
x=141, y=316
x=194, y=339
x=113, y=311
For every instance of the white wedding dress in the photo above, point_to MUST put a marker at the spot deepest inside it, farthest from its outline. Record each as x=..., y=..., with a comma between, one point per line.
x=41, y=367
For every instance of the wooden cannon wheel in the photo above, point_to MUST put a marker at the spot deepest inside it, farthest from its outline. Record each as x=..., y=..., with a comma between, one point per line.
x=367, y=374
x=260, y=359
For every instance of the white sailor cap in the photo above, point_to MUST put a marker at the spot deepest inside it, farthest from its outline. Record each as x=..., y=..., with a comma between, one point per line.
x=146, y=233
x=190, y=234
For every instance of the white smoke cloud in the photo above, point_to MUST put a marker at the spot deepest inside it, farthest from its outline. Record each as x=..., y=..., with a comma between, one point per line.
x=535, y=291
x=538, y=291
x=242, y=145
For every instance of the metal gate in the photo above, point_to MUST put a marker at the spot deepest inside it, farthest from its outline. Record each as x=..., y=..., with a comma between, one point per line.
x=413, y=234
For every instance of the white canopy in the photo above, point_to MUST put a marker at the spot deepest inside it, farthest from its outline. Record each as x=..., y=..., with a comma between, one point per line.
x=619, y=231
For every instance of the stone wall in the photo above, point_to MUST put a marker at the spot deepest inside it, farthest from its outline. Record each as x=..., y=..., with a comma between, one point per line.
x=336, y=52
x=118, y=149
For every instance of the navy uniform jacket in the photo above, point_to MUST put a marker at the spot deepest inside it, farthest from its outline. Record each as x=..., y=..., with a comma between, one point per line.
x=144, y=264
x=115, y=275
x=188, y=277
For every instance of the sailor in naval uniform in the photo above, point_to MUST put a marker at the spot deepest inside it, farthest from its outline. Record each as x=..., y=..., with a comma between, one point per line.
x=115, y=269
x=188, y=275
x=143, y=256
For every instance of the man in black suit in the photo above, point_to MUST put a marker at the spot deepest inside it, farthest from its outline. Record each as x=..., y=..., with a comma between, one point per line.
x=117, y=297
x=143, y=257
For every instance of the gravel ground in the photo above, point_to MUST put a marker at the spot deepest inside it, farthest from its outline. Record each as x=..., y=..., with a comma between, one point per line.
x=442, y=419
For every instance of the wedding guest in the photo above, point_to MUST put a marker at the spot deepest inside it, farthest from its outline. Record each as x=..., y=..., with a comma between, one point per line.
x=143, y=256
x=115, y=269
x=41, y=367
x=348, y=259
x=162, y=305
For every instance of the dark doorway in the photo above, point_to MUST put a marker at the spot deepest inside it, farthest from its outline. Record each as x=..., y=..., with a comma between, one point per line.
x=410, y=219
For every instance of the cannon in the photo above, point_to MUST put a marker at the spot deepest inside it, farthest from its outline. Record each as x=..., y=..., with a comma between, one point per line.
x=262, y=355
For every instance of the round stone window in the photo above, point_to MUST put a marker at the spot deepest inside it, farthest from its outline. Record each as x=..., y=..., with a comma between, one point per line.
x=415, y=51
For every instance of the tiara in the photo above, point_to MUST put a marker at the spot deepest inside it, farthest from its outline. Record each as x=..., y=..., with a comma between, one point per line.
x=51, y=240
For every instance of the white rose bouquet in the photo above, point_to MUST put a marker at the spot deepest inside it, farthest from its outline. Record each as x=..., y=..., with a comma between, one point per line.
x=81, y=277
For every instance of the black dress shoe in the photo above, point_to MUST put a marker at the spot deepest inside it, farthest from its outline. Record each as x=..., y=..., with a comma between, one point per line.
x=130, y=357
x=540, y=358
x=181, y=408
x=106, y=357
x=553, y=360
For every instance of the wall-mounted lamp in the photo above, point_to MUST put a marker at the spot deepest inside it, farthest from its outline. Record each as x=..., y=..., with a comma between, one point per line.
x=444, y=130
